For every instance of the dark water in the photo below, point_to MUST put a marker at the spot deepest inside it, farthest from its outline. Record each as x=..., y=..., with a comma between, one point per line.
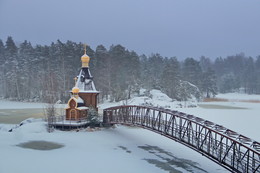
x=40, y=145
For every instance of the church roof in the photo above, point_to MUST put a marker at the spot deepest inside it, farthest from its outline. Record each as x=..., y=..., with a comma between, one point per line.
x=79, y=100
x=82, y=108
x=85, y=81
x=79, y=103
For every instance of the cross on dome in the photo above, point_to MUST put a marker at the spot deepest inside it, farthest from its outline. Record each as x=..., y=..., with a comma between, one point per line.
x=85, y=49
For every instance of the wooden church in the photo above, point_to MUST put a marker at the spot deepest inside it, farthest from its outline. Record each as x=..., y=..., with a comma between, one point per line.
x=83, y=94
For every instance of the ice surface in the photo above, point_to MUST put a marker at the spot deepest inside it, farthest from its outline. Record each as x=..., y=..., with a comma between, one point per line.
x=238, y=96
x=5, y=104
x=120, y=149
x=244, y=121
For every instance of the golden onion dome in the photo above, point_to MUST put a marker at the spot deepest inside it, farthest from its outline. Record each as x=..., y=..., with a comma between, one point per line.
x=85, y=60
x=75, y=90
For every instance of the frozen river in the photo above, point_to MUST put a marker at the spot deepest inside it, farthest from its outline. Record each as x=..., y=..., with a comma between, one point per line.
x=120, y=149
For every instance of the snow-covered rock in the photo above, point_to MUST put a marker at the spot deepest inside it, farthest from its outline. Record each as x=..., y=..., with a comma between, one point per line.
x=154, y=98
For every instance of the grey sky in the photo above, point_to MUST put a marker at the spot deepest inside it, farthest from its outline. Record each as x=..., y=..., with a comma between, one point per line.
x=182, y=28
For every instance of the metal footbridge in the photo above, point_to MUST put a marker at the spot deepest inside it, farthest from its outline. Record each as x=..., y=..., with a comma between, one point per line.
x=233, y=151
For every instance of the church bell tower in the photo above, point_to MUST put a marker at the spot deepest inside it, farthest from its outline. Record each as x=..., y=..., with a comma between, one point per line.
x=84, y=81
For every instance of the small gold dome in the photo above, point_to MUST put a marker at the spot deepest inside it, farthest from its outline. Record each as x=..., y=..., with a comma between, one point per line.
x=75, y=90
x=85, y=60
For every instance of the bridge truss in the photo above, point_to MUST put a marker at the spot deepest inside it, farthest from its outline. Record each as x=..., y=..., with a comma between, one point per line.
x=235, y=152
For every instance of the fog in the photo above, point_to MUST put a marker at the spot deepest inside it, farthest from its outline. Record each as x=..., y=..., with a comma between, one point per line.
x=180, y=28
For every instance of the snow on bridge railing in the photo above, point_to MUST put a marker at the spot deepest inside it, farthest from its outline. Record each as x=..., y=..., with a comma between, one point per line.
x=226, y=147
x=219, y=129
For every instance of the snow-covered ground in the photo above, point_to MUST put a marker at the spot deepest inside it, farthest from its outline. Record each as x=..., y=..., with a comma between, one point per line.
x=156, y=98
x=239, y=97
x=121, y=149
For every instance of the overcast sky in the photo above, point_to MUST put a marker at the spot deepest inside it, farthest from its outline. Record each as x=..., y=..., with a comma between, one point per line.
x=181, y=28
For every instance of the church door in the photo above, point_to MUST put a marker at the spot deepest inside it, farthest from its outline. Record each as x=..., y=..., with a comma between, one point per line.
x=73, y=114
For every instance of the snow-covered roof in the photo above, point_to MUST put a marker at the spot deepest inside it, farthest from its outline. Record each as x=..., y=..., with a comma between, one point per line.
x=79, y=100
x=85, y=82
x=82, y=107
x=89, y=91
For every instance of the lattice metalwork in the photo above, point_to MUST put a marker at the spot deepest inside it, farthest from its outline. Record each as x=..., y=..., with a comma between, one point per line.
x=229, y=149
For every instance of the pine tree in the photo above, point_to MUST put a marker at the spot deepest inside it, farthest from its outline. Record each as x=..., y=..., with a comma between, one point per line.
x=2, y=52
x=103, y=72
x=25, y=59
x=2, y=61
x=170, y=79
x=155, y=65
x=144, y=71
x=10, y=47
x=11, y=66
x=132, y=79
x=257, y=71
x=228, y=83
x=192, y=71
x=205, y=63
x=208, y=83
x=125, y=72
x=249, y=76
x=92, y=117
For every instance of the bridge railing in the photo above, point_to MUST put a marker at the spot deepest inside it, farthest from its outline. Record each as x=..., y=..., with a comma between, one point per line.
x=229, y=149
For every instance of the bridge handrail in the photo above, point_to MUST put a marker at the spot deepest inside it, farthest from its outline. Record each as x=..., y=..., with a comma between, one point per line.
x=219, y=129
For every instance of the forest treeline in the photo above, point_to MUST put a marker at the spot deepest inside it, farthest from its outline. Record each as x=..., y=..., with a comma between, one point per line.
x=33, y=73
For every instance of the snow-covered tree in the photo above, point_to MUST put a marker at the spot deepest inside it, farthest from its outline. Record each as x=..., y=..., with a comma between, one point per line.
x=170, y=79
x=118, y=73
x=11, y=70
x=92, y=117
x=2, y=73
x=208, y=83
x=192, y=72
x=187, y=91
x=228, y=83
x=257, y=67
